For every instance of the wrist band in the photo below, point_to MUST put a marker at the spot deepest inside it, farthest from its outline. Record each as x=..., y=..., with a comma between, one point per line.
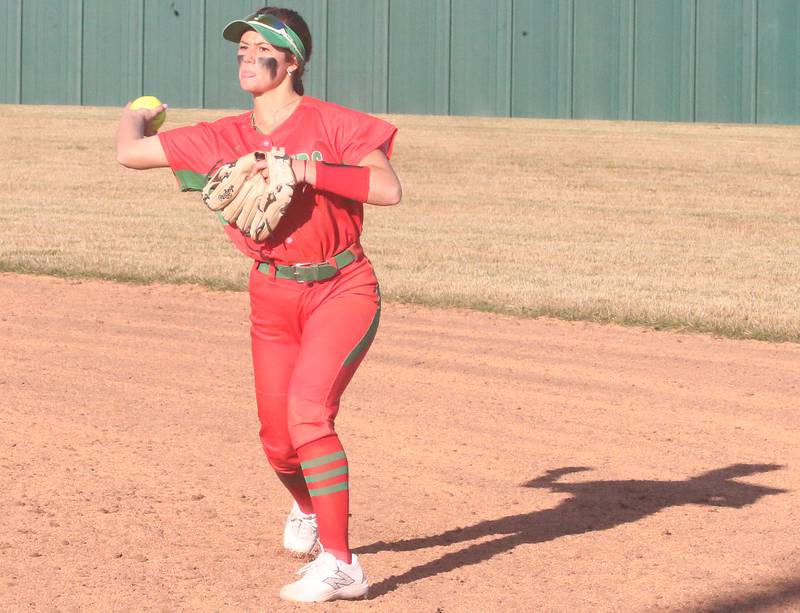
x=352, y=182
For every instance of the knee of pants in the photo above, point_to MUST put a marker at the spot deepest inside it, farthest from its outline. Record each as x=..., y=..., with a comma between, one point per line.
x=309, y=421
x=281, y=455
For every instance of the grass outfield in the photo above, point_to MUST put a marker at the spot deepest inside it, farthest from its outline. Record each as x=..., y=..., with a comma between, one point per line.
x=660, y=224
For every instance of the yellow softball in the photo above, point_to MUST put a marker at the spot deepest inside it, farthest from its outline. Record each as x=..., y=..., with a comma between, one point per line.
x=150, y=102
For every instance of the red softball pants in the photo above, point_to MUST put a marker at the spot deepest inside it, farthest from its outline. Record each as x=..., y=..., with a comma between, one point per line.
x=308, y=339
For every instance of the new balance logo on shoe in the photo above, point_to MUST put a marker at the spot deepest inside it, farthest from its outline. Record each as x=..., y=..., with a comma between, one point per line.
x=327, y=578
x=339, y=580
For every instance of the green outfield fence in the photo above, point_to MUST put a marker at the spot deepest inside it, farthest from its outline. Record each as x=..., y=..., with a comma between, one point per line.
x=671, y=60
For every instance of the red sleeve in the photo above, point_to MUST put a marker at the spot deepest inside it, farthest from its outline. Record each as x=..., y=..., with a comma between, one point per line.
x=193, y=152
x=357, y=134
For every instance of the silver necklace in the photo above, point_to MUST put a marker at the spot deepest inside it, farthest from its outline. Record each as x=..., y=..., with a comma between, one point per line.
x=273, y=118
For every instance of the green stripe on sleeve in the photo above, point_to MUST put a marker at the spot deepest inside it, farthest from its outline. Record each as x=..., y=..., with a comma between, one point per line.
x=190, y=181
x=323, y=460
x=341, y=470
x=329, y=490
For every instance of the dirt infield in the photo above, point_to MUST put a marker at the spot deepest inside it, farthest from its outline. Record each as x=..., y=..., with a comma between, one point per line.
x=497, y=464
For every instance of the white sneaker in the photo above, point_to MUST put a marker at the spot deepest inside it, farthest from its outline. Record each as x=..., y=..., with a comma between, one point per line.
x=300, y=532
x=327, y=578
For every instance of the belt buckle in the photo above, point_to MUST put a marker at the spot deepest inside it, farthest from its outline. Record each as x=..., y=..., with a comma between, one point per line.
x=296, y=273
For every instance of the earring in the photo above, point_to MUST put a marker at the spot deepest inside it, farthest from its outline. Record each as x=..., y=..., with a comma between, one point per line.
x=289, y=72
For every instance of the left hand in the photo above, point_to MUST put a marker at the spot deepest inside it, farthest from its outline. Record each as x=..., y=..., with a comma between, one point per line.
x=299, y=168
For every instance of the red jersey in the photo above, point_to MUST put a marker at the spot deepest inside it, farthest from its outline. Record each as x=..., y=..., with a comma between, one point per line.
x=317, y=225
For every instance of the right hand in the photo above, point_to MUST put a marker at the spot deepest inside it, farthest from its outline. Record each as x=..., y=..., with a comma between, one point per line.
x=144, y=116
x=135, y=146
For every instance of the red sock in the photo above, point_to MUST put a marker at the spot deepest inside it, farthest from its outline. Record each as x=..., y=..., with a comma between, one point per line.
x=325, y=469
x=296, y=484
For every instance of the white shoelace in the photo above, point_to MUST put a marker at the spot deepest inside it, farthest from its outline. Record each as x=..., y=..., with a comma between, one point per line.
x=305, y=524
x=315, y=567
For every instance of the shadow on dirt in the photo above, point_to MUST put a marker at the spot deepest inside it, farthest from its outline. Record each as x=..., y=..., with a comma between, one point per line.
x=785, y=596
x=594, y=505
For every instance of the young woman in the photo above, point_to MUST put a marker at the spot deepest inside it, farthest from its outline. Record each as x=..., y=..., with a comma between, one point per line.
x=314, y=297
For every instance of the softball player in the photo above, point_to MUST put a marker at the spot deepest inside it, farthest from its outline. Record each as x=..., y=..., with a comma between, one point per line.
x=314, y=297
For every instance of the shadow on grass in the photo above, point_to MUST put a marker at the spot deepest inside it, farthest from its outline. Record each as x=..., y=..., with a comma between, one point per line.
x=593, y=506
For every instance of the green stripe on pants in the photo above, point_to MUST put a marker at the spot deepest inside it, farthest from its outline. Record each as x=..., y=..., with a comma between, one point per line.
x=367, y=339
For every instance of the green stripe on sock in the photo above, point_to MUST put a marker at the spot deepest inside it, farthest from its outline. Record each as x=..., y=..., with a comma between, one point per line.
x=341, y=470
x=323, y=460
x=329, y=490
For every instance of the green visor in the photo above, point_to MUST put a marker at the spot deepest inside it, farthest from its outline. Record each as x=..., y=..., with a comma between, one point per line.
x=271, y=28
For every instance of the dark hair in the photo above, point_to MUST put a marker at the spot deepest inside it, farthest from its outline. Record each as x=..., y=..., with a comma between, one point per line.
x=298, y=24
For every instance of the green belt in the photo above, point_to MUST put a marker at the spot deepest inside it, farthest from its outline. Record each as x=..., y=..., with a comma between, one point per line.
x=308, y=273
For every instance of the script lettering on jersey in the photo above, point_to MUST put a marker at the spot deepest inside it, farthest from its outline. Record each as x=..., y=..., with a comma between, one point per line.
x=316, y=156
